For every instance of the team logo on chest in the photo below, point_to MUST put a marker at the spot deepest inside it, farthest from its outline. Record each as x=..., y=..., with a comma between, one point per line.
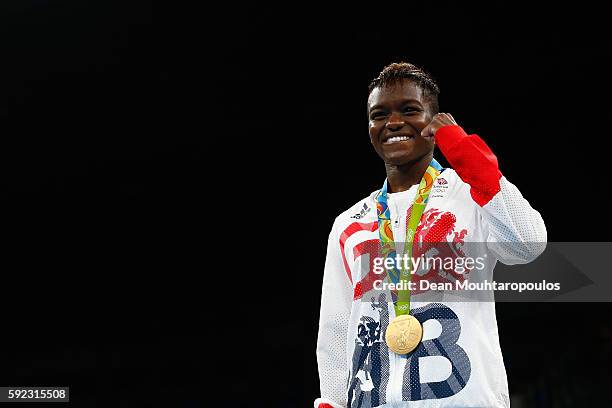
x=439, y=188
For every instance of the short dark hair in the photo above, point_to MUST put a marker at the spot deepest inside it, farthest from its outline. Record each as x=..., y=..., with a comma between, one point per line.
x=398, y=71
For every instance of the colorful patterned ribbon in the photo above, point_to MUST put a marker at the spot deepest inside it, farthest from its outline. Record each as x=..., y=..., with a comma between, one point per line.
x=385, y=232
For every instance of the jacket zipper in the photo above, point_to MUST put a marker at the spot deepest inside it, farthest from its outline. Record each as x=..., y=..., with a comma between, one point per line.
x=395, y=375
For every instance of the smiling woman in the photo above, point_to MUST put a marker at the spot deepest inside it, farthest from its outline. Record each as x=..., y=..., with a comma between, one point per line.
x=378, y=343
x=398, y=114
x=402, y=103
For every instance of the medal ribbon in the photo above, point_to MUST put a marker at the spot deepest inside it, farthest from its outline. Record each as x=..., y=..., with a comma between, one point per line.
x=385, y=232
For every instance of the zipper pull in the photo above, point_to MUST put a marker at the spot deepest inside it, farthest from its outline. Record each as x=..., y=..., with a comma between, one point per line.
x=395, y=221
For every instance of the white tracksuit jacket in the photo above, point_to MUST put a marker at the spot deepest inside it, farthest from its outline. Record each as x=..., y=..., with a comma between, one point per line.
x=459, y=361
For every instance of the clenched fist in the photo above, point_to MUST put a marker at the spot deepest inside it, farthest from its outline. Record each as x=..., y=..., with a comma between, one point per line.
x=439, y=120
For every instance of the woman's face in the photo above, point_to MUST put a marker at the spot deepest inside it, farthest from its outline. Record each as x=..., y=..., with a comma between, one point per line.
x=397, y=114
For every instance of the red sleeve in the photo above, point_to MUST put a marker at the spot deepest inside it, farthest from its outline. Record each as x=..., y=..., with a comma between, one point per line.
x=473, y=161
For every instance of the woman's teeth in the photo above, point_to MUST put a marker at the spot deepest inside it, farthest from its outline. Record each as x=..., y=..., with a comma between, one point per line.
x=396, y=139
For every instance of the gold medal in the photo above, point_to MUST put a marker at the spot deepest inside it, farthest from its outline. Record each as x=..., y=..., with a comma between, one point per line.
x=404, y=334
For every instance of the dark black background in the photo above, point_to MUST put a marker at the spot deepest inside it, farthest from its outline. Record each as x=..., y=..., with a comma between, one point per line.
x=169, y=175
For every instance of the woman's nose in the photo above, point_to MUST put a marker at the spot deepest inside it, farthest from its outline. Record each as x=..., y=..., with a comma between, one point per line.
x=395, y=122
